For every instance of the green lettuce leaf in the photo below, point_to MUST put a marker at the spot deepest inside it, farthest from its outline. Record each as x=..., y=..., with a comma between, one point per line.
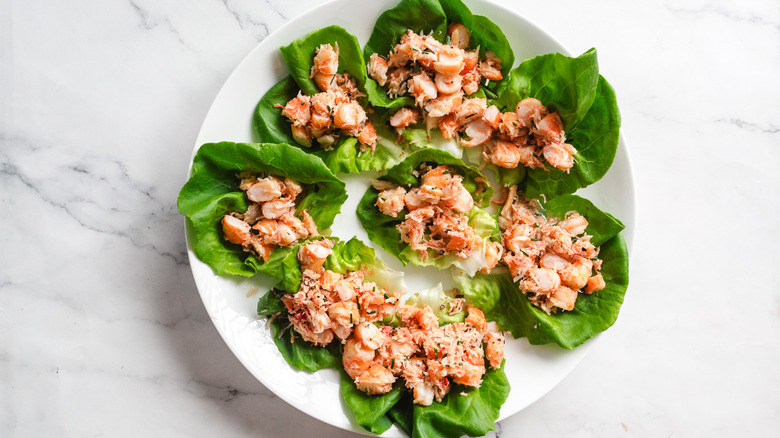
x=402, y=414
x=596, y=139
x=473, y=179
x=483, y=224
x=302, y=354
x=588, y=109
x=267, y=120
x=377, y=413
x=484, y=34
x=298, y=353
x=433, y=17
x=212, y=191
x=345, y=157
x=601, y=225
x=502, y=301
x=563, y=84
x=425, y=16
x=420, y=138
x=271, y=303
x=418, y=15
x=474, y=414
x=381, y=228
x=349, y=255
x=370, y=410
x=270, y=126
x=299, y=57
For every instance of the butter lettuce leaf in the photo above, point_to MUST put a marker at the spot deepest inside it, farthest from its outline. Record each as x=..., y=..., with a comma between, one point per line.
x=299, y=57
x=297, y=352
x=345, y=155
x=483, y=224
x=349, y=255
x=370, y=410
x=432, y=17
x=268, y=123
x=438, y=300
x=485, y=35
x=381, y=228
x=419, y=15
x=422, y=16
x=596, y=139
x=562, y=83
x=301, y=354
x=473, y=179
x=588, y=108
x=270, y=304
x=212, y=191
x=501, y=300
x=474, y=414
x=418, y=137
x=402, y=414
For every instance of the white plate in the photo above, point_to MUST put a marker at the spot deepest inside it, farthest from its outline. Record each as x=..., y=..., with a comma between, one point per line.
x=532, y=370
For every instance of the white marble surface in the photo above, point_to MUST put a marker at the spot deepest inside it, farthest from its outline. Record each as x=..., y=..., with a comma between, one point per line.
x=102, y=332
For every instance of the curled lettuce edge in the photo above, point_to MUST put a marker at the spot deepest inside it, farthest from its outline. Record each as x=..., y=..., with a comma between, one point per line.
x=502, y=301
x=212, y=192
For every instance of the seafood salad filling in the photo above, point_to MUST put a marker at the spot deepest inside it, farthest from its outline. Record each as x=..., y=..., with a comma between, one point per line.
x=270, y=219
x=383, y=339
x=552, y=260
x=325, y=116
x=438, y=76
x=436, y=215
x=531, y=136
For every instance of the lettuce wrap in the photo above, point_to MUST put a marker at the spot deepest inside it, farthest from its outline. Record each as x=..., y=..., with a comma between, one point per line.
x=432, y=17
x=503, y=302
x=588, y=108
x=212, y=192
x=474, y=414
x=351, y=255
x=381, y=228
x=347, y=256
x=270, y=126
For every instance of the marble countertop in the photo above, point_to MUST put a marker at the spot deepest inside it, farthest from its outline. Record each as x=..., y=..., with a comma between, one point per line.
x=102, y=331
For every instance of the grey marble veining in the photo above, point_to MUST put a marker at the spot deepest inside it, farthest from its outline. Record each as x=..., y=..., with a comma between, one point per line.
x=102, y=332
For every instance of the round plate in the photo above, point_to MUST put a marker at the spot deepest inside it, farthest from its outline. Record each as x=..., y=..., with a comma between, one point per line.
x=231, y=303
